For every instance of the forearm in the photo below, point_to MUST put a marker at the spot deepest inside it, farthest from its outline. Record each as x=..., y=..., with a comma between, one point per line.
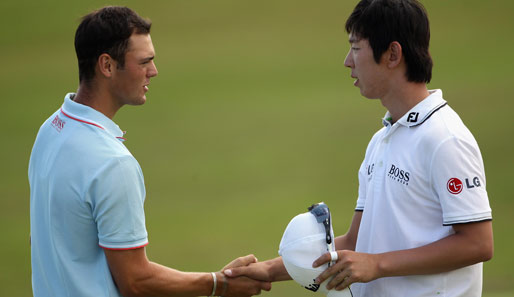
x=135, y=275
x=343, y=242
x=349, y=240
x=452, y=252
x=159, y=280
x=277, y=270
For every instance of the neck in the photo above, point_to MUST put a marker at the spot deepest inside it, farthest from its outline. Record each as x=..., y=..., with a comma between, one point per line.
x=91, y=95
x=404, y=98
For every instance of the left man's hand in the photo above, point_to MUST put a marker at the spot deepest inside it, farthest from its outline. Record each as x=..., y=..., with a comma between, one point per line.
x=351, y=267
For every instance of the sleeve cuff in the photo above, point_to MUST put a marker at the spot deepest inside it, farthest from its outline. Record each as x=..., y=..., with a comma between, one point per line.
x=123, y=246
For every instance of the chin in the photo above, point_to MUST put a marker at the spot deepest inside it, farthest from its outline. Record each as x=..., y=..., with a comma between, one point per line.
x=367, y=95
x=137, y=102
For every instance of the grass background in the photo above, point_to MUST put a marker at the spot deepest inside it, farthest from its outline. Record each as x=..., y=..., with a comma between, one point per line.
x=252, y=118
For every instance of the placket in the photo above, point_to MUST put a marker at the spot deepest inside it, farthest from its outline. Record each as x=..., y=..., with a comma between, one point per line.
x=381, y=159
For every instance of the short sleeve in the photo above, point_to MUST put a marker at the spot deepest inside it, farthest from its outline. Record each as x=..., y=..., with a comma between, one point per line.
x=363, y=180
x=366, y=170
x=458, y=179
x=117, y=195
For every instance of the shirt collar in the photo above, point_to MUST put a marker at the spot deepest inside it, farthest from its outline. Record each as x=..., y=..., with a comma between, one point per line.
x=421, y=112
x=87, y=115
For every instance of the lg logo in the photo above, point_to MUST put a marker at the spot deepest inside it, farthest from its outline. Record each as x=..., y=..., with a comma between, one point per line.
x=455, y=185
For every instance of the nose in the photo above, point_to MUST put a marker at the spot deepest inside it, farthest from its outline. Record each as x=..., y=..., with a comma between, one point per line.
x=348, y=61
x=153, y=70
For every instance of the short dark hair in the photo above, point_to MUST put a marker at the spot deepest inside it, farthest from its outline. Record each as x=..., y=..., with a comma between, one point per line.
x=106, y=30
x=405, y=21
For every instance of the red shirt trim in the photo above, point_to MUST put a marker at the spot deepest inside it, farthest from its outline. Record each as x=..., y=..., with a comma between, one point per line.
x=82, y=121
x=89, y=123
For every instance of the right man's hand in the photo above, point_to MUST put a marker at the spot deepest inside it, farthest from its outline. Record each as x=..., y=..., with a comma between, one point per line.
x=243, y=286
x=258, y=271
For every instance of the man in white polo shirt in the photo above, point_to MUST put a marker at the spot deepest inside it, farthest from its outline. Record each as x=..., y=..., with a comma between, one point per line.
x=422, y=224
x=88, y=233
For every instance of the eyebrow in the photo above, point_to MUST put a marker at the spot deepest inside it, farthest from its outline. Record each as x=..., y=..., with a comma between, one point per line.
x=148, y=59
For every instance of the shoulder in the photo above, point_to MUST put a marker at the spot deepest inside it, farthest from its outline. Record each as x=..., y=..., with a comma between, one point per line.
x=443, y=127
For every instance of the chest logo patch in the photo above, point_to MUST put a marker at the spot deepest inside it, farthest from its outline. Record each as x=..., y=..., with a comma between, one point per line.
x=454, y=185
x=399, y=175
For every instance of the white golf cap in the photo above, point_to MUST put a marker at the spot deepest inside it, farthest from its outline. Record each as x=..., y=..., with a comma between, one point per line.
x=308, y=236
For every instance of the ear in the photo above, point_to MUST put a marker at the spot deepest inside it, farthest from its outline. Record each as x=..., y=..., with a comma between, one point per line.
x=395, y=54
x=105, y=65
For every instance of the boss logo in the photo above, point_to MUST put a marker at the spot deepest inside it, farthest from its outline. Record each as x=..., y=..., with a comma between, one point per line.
x=58, y=124
x=399, y=175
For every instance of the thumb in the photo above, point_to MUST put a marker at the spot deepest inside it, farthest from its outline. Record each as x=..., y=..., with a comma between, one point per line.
x=230, y=272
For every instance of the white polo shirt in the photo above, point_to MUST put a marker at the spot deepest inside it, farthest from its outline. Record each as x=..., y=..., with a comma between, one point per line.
x=86, y=193
x=421, y=175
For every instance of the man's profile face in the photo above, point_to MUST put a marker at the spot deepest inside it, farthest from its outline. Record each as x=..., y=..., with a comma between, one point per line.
x=130, y=82
x=370, y=76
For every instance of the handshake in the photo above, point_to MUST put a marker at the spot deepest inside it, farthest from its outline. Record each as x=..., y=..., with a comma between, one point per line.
x=244, y=276
x=307, y=255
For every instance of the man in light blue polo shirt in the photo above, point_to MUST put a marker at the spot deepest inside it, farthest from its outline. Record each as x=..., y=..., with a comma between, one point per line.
x=87, y=190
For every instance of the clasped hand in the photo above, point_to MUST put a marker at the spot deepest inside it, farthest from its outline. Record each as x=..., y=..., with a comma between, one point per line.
x=350, y=267
x=242, y=286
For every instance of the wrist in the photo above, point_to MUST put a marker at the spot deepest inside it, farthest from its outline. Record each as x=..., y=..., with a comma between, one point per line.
x=219, y=284
x=276, y=270
x=222, y=284
x=381, y=266
x=214, y=283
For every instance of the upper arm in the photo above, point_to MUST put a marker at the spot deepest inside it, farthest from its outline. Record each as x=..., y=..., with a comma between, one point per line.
x=128, y=266
x=478, y=237
x=458, y=180
x=116, y=197
x=349, y=240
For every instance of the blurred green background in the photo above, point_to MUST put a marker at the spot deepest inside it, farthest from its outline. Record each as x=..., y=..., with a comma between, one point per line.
x=253, y=117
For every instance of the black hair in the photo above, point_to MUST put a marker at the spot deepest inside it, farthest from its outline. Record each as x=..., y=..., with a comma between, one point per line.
x=106, y=30
x=405, y=21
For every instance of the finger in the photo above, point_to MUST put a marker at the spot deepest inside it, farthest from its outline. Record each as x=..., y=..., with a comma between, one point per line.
x=325, y=258
x=347, y=281
x=241, y=261
x=338, y=280
x=334, y=269
x=334, y=256
x=247, y=260
x=266, y=286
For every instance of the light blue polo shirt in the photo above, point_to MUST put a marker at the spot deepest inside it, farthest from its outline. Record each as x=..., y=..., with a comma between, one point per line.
x=86, y=193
